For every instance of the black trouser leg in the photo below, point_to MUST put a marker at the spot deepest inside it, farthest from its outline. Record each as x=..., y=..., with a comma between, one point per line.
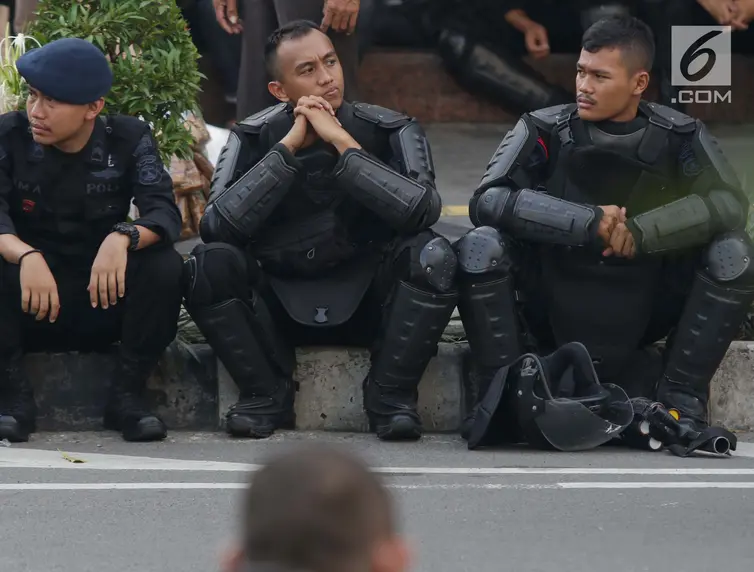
x=420, y=274
x=487, y=305
x=149, y=324
x=18, y=410
x=721, y=295
x=145, y=322
x=223, y=299
x=79, y=327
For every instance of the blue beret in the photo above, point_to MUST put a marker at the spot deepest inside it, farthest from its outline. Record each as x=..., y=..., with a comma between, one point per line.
x=70, y=70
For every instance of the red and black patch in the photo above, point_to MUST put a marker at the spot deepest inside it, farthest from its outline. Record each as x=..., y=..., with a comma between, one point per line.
x=544, y=147
x=28, y=205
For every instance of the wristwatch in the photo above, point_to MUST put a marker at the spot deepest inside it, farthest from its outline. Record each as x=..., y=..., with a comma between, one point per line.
x=130, y=231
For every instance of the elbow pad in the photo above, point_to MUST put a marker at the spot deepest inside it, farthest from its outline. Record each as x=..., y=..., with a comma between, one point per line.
x=393, y=197
x=246, y=204
x=536, y=216
x=687, y=222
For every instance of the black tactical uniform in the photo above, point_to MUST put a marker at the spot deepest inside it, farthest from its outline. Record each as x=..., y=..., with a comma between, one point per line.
x=317, y=249
x=65, y=205
x=532, y=272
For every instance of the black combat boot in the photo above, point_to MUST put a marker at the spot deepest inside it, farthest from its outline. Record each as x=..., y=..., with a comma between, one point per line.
x=721, y=295
x=126, y=410
x=258, y=416
x=18, y=410
x=392, y=411
x=488, y=310
x=413, y=328
x=258, y=360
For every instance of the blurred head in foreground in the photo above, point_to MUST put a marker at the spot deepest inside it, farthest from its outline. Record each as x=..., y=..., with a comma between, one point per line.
x=318, y=510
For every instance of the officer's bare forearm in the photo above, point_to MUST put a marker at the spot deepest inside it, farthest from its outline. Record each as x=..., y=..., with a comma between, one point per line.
x=12, y=248
x=147, y=237
x=345, y=142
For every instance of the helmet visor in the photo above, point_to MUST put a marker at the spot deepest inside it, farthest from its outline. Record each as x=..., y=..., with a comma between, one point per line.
x=570, y=426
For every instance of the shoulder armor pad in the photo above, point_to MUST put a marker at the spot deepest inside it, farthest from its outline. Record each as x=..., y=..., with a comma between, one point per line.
x=254, y=123
x=381, y=116
x=12, y=120
x=679, y=121
x=549, y=115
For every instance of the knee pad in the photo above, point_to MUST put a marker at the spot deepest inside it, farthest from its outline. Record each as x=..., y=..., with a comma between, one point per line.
x=728, y=259
x=213, y=273
x=482, y=250
x=438, y=263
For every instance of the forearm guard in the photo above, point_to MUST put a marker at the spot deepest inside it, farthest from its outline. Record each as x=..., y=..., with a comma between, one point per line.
x=242, y=208
x=539, y=217
x=395, y=198
x=687, y=222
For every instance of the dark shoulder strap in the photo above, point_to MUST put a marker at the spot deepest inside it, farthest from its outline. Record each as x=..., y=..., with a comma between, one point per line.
x=570, y=128
x=380, y=116
x=663, y=121
x=254, y=123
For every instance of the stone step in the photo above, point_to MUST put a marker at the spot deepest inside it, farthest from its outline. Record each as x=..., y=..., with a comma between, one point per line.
x=192, y=391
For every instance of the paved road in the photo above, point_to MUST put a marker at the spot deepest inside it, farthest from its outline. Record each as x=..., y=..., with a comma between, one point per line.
x=176, y=505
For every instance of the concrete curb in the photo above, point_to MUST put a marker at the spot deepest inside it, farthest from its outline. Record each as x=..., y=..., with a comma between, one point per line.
x=192, y=391
x=732, y=389
x=330, y=396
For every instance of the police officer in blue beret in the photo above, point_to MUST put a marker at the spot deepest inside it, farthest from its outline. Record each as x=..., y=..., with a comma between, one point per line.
x=74, y=275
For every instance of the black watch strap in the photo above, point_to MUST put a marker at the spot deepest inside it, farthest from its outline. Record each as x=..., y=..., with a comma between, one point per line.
x=129, y=230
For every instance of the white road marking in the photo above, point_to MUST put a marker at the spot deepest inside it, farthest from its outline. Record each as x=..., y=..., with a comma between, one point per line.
x=19, y=458
x=18, y=487
x=41, y=459
x=744, y=450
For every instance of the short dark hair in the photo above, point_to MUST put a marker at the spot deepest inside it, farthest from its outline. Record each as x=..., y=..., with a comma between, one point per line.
x=627, y=33
x=290, y=31
x=317, y=509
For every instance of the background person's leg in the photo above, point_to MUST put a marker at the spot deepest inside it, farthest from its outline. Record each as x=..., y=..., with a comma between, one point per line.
x=24, y=14
x=259, y=21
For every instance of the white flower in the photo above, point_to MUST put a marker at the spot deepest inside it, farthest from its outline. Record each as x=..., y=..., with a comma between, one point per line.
x=16, y=44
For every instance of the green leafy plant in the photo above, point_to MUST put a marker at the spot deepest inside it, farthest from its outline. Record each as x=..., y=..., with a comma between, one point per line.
x=153, y=58
x=12, y=87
